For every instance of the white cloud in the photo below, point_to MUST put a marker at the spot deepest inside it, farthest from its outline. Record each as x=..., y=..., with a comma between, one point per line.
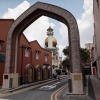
x=17, y=11
x=37, y=30
x=61, y=47
x=85, y=23
x=63, y=30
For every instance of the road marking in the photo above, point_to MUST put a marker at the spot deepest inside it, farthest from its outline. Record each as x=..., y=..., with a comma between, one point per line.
x=24, y=89
x=49, y=87
x=28, y=88
x=56, y=83
x=60, y=91
x=55, y=94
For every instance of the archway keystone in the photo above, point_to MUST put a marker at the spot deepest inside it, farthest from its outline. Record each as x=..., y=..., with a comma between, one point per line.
x=28, y=17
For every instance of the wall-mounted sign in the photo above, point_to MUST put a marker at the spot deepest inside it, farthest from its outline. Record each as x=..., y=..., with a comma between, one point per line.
x=77, y=77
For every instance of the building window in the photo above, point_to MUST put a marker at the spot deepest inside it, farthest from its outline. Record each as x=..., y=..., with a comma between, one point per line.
x=46, y=57
x=27, y=52
x=37, y=54
x=26, y=49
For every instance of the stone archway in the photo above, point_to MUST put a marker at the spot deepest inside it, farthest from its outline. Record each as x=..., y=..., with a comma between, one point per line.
x=29, y=16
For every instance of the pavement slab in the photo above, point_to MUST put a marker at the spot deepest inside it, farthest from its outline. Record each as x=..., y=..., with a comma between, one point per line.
x=88, y=95
x=96, y=86
x=76, y=97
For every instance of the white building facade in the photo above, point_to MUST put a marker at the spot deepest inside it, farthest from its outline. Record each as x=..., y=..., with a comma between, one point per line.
x=51, y=44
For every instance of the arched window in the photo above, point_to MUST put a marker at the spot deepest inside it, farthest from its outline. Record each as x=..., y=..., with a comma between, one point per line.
x=37, y=54
x=27, y=52
x=46, y=57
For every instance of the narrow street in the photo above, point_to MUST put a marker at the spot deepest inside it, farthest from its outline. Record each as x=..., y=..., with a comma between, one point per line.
x=44, y=92
x=50, y=50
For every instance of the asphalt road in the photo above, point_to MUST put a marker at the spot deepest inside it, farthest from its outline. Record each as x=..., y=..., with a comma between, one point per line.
x=40, y=93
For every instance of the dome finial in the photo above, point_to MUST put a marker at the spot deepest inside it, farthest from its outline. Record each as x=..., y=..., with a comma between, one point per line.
x=50, y=31
x=49, y=25
x=49, y=28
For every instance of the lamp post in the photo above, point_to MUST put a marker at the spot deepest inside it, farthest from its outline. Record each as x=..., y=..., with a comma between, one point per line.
x=24, y=47
x=21, y=78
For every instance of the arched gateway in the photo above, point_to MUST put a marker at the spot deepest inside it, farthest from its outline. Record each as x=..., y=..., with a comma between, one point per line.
x=23, y=21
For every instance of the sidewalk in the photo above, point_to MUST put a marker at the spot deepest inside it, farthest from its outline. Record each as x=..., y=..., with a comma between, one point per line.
x=93, y=91
x=96, y=86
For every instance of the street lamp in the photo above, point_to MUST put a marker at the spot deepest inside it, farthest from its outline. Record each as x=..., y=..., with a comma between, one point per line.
x=1, y=44
x=27, y=53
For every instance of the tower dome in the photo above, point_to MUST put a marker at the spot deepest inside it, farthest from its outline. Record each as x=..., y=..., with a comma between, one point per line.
x=54, y=42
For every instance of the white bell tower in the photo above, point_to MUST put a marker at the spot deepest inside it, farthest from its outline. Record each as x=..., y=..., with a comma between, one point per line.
x=50, y=35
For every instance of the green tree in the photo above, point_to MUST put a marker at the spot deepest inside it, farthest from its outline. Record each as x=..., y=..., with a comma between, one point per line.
x=66, y=63
x=85, y=56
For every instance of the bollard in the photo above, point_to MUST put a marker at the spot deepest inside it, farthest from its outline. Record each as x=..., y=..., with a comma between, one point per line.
x=70, y=85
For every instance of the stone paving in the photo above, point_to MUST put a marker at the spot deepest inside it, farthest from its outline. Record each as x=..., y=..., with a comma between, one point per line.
x=96, y=86
x=76, y=97
x=65, y=96
x=92, y=94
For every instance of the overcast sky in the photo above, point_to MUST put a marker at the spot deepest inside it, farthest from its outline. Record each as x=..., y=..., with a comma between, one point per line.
x=81, y=9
